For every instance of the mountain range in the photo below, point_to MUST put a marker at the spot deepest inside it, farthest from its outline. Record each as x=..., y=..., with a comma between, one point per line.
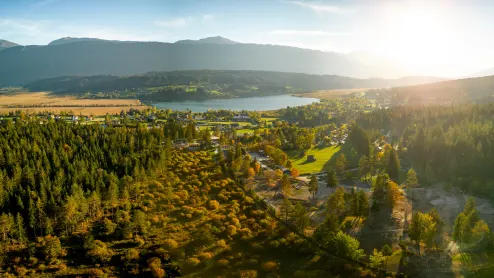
x=6, y=44
x=89, y=56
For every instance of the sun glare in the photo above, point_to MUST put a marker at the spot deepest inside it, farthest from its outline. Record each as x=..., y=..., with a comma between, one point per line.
x=420, y=35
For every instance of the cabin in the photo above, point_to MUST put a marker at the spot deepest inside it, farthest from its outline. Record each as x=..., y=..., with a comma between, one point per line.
x=311, y=158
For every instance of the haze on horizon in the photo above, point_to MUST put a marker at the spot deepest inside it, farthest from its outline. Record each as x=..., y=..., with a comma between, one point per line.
x=439, y=38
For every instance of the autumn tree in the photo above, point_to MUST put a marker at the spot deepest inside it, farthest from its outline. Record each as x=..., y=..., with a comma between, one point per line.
x=294, y=172
x=422, y=228
x=313, y=186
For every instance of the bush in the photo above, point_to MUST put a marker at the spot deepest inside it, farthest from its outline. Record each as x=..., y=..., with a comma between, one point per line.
x=223, y=263
x=193, y=261
x=100, y=252
x=170, y=244
x=221, y=243
x=205, y=256
x=213, y=204
x=96, y=273
x=132, y=254
x=270, y=266
x=231, y=230
x=247, y=273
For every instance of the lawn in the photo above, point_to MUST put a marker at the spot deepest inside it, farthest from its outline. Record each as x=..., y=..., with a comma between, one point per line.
x=250, y=131
x=322, y=156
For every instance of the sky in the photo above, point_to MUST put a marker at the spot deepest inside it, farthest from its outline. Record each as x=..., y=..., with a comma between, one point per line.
x=435, y=37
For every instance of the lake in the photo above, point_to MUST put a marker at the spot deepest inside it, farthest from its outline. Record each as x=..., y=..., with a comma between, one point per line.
x=237, y=104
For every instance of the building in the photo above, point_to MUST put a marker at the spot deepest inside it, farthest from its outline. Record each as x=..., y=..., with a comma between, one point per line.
x=241, y=117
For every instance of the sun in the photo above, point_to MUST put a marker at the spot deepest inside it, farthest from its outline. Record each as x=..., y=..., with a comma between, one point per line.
x=421, y=35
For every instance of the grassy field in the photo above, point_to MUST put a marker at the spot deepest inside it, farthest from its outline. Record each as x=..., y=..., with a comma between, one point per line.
x=42, y=101
x=328, y=94
x=322, y=157
x=250, y=131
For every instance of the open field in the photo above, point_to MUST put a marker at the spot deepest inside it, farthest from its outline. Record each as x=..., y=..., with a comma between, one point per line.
x=328, y=94
x=43, y=101
x=322, y=156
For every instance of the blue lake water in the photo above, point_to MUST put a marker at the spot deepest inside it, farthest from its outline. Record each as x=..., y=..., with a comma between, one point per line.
x=237, y=104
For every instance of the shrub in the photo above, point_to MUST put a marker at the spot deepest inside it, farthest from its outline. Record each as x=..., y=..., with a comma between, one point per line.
x=247, y=273
x=205, y=256
x=132, y=254
x=270, y=266
x=96, y=273
x=223, y=263
x=231, y=230
x=100, y=252
x=221, y=243
x=193, y=261
x=170, y=244
x=213, y=204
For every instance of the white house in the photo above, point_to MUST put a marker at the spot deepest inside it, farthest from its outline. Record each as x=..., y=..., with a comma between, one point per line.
x=241, y=117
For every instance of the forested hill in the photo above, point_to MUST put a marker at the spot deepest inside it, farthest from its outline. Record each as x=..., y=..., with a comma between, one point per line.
x=479, y=89
x=220, y=83
x=24, y=64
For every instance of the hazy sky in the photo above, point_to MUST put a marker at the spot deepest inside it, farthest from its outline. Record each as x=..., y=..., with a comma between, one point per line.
x=435, y=37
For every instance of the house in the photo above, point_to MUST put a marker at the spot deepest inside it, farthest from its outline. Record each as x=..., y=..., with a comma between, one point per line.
x=193, y=146
x=75, y=118
x=241, y=117
x=286, y=171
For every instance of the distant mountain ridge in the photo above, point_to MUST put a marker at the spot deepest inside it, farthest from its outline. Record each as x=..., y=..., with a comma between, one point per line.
x=209, y=40
x=231, y=80
x=72, y=40
x=6, y=44
x=91, y=56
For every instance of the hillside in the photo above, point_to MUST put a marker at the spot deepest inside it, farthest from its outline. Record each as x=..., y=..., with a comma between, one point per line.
x=211, y=84
x=478, y=89
x=6, y=44
x=94, y=57
x=210, y=40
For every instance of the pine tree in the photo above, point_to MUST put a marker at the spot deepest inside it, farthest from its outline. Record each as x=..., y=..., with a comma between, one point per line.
x=412, y=180
x=393, y=168
x=20, y=229
x=286, y=208
x=331, y=179
x=313, y=186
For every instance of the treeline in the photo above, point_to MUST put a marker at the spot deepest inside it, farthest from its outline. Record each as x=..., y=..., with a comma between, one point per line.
x=443, y=143
x=470, y=89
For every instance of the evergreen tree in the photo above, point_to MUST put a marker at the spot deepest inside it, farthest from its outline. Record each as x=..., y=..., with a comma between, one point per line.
x=313, y=186
x=20, y=229
x=393, y=168
x=331, y=179
x=286, y=208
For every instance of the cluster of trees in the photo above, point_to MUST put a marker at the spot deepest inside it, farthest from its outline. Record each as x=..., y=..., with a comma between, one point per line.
x=468, y=227
x=339, y=110
x=452, y=143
